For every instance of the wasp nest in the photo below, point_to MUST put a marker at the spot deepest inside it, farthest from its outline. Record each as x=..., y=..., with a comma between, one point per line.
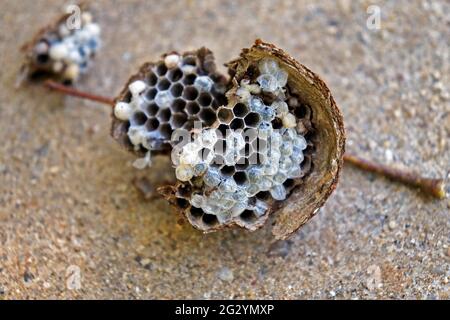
x=63, y=51
x=273, y=142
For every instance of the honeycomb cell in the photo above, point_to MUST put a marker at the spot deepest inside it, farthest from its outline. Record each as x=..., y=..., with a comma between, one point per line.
x=163, y=115
x=242, y=164
x=240, y=178
x=178, y=119
x=248, y=216
x=252, y=119
x=176, y=90
x=152, y=79
x=139, y=118
x=163, y=84
x=151, y=109
x=190, y=60
x=189, y=79
x=152, y=124
x=240, y=110
x=227, y=171
x=178, y=105
x=175, y=75
x=190, y=93
x=204, y=99
x=165, y=130
x=161, y=69
x=208, y=116
x=237, y=124
x=192, y=108
x=196, y=212
x=225, y=115
x=151, y=94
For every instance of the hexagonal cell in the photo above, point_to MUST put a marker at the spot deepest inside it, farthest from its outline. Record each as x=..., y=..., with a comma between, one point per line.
x=289, y=183
x=192, y=108
x=190, y=60
x=248, y=216
x=178, y=105
x=152, y=124
x=150, y=94
x=237, y=124
x=163, y=84
x=240, y=110
x=210, y=220
x=204, y=99
x=263, y=195
x=152, y=79
x=240, y=178
x=196, y=212
x=227, y=171
x=189, y=125
x=182, y=203
x=166, y=130
x=225, y=115
x=174, y=75
x=164, y=115
x=161, y=69
x=208, y=116
x=189, y=79
x=178, y=119
x=176, y=90
x=277, y=123
x=138, y=118
x=252, y=119
x=151, y=109
x=190, y=93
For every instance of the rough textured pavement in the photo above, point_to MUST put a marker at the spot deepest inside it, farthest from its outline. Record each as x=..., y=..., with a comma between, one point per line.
x=67, y=202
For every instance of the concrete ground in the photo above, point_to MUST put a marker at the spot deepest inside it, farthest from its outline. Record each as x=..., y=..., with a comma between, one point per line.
x=68, y=206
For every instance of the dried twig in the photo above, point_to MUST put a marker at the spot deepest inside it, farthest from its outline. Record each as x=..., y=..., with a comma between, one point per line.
x=433, y=187
x=76, y=93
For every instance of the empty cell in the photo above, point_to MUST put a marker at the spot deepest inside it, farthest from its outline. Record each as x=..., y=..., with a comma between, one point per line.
x=165, y=130
x=263, y=195
x=204, y=99
x=152, y=109
x=182, y=203
x=190, y=60
x=248, y=216
x=176, y=90
x=196, y=212
x=178, y=119
x=227, y=171
x=240, y=110
x=139, y=118
x=175, y=75
x=164, y=115
x=277, y=123
x=190, y=93
x=152, y=79
x=192, y=108
x=240, y=178
x=161, y=69
x=208, y=116
x=151, y=93
x=189, y=79
x=210, y=219
x=237, y=124
x=225, y=115
x=289, y=183
x=178, y=105
x=252, y=119
x=163, y=84
x=152, y=124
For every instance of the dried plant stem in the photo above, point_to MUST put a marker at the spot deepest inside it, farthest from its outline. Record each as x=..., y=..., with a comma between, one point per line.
x=433, y=187
x=76, y=93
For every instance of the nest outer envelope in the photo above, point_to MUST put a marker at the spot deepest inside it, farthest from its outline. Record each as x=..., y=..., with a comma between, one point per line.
x=306, y=199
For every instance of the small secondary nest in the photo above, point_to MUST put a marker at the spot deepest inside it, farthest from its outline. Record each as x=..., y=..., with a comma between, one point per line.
x=273, y=139
x=63, y=50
